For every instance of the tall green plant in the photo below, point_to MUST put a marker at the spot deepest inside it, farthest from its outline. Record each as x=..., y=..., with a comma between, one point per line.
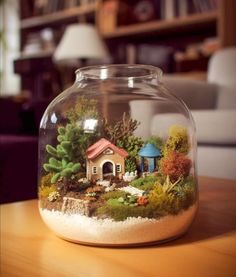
x=67, y=157
x=62, y=163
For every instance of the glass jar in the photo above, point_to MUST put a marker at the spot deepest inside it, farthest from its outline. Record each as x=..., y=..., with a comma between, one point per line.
x=117, y=159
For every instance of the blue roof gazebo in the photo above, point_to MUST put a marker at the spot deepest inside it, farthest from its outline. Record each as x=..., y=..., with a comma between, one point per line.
x=150, y=152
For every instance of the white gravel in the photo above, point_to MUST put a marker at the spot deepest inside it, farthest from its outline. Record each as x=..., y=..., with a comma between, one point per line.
x=133, y=230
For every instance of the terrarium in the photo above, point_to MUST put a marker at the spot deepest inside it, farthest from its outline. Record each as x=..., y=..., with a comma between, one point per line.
x=117, y=157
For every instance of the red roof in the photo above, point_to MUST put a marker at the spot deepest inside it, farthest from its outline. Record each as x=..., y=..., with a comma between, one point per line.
x=98, y=147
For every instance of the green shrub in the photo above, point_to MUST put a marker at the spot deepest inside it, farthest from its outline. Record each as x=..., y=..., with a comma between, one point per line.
x=179, y=197
x=130, y=164
x=157, y=141
x=163, y=202
x=187, y=192
x=189, y=198
x=119, y=212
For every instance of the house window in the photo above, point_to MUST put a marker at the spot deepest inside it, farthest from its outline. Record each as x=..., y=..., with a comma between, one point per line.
x=118, y=168
x=108, y=152
x=94, y=170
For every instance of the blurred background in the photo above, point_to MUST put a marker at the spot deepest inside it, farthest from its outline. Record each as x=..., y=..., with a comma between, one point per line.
x=42, y=42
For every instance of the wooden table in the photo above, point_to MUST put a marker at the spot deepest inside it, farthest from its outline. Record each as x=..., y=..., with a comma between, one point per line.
x=28, y=248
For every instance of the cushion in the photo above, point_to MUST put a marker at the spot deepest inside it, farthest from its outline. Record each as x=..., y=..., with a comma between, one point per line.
x=216, y=126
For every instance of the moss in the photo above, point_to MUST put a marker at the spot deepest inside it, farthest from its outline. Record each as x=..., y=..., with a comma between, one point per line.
x=119, y=212
x=46, y=180
x=159, y=205
x=45, y=191
x=161, y=202
x=146, y=183
x=46, y=186
x=113, y=194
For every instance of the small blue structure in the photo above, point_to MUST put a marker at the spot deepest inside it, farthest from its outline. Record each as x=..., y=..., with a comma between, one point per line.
x=150, y=152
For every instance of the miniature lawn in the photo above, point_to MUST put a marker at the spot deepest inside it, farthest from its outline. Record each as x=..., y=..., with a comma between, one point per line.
x=161, y=200
x=160, y=203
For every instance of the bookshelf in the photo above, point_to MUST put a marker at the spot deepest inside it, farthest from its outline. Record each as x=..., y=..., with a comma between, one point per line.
x=178, y=24
x=58, y=16
x=178, y=31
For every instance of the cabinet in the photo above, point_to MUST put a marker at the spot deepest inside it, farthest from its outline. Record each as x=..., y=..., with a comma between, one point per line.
x=177, y=32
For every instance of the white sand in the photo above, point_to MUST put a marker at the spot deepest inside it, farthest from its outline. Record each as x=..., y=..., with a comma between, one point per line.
x=107, y=231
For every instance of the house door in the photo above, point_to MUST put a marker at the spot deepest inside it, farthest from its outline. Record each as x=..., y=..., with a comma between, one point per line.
x=107, y=169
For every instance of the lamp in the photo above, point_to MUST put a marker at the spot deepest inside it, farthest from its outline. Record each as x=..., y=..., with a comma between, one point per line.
x=80, y=41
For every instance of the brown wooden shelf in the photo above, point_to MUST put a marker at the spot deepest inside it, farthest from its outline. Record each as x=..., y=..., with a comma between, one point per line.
x=58, y=16
x=160, y=26
x=39, y=55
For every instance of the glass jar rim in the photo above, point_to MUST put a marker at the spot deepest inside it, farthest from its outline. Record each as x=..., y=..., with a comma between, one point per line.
x=103, y=72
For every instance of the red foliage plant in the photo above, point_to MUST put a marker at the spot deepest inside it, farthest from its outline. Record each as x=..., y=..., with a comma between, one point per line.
x=175, y=165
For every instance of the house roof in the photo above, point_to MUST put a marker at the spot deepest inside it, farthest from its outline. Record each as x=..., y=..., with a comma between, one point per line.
x=149, y=151
x=98, y=147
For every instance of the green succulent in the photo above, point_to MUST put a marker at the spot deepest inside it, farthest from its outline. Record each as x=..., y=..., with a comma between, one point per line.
x=61, y=168
x=128, y=200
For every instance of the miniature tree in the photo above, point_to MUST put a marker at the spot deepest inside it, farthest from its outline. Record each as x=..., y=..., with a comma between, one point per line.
x=130, y=164
x=175, y=165
x=85, y=108
x=177, y=141
x=132, y=145
x=156, y=141
x=121, y=130
x=121, y=134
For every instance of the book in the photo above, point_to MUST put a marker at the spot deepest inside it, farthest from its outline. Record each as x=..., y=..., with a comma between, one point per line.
x=170, y=9
x=182, y=7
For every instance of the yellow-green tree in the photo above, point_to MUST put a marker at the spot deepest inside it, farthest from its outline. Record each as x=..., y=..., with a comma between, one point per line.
x=178, y=141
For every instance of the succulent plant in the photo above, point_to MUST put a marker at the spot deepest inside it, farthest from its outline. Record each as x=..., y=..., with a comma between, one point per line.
x=129, y=200
x=61, y=168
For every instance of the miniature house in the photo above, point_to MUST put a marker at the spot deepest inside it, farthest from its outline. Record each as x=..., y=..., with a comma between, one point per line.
x=150, y=153
x=105, y=159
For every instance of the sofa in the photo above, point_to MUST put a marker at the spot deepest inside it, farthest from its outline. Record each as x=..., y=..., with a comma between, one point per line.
x=19, y=123
x=213, y=106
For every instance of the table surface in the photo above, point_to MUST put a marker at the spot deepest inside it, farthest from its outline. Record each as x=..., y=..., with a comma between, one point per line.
x=29, y=248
